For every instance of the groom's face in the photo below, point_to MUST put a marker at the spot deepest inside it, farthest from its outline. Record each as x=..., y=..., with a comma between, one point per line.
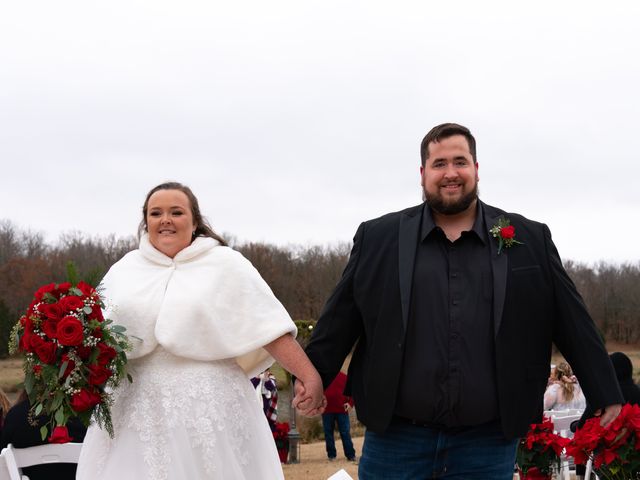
x=449, y=177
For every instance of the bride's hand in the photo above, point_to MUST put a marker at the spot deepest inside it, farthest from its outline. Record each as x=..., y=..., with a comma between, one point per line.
x=309, y=397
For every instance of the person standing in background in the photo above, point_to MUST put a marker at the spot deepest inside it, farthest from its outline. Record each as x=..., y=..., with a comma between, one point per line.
x=337, y=412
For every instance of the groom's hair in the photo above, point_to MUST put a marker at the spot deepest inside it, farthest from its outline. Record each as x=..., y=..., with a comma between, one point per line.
x=443, y=131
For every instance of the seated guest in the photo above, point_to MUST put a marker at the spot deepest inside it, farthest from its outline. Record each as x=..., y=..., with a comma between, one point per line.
x=564, y=393
x=624, y=373
x=18, y=431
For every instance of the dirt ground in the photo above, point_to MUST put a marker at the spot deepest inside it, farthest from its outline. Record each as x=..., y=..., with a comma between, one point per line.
x=314, y=464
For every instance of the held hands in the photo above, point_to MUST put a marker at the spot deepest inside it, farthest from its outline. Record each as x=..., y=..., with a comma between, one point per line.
x=609, y=415
x=309, y=397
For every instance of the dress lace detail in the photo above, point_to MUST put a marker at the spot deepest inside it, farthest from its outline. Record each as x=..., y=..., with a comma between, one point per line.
x=174, y=399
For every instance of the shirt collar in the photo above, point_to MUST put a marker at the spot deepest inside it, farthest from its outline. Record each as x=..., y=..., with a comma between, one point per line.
x=428, y=224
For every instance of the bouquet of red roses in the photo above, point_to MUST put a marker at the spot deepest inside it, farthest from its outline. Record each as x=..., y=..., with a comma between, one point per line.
x=540, y=450
x=615, y=450
x=71, y=355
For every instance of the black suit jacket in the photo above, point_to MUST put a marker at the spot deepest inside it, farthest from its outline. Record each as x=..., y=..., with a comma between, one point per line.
x=535, y=303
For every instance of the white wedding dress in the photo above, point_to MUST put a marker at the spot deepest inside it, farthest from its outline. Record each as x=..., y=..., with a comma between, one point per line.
x=182, y=419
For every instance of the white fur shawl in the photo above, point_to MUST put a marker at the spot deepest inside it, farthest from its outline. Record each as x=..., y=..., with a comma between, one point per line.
x=206, y=303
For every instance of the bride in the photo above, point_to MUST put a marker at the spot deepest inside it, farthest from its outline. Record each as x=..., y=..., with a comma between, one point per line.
x=202, y=322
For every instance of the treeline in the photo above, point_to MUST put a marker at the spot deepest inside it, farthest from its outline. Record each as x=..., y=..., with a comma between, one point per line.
x=612, y=295
x=301, y=277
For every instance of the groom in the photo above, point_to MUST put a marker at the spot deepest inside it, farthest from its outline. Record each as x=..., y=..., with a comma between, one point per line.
x=452, y=306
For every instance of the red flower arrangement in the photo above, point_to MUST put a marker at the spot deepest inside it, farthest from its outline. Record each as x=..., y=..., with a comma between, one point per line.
x=540, y=450
x=282, y=431
x=505, y=233
x=615, y=450
x=71, y=353
x=281, y=437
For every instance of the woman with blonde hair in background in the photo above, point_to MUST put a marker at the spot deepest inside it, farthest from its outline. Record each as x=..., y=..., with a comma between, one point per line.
x=564, y=392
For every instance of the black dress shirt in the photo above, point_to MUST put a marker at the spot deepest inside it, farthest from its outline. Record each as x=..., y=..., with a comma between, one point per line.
x=448, y=376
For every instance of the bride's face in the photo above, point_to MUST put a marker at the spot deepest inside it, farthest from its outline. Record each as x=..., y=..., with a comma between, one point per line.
x=169, y=221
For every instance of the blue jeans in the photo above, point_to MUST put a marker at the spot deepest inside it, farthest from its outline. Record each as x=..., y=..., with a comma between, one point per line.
x=328, y=421
x=410, y=452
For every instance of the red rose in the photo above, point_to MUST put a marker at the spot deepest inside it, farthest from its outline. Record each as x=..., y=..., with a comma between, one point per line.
x=60, y=434
x=86, y=289
x=25, y=341
x=46, y=351
x=83, y=352
x=70, y=331
x=84, y=400
x=106, y=354
x=43, y=290
x=96, y=313
x=98, y=374
x=51, y=310
x=71, y=303
x=37, y=369
x=50, y=327
x=63, y=288
x=32, y=306
x=70, y=365
x=508, y=232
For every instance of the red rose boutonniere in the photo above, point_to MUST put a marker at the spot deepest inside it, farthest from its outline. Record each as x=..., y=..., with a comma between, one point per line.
x=505, y=233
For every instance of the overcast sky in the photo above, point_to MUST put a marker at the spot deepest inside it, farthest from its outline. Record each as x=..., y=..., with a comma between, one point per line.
x=293, y=121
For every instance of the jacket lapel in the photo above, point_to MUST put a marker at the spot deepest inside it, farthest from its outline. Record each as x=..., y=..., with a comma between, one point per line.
x=407, y=245
x=499, y=264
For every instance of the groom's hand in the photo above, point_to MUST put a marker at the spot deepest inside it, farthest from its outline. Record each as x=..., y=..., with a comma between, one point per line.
x=308, y=401
x=609, y=414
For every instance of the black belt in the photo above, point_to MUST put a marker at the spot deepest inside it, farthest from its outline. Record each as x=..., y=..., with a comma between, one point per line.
x=420, y=423
x=431, y=425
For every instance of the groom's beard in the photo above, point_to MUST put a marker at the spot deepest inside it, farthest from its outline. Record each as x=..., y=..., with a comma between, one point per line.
x=437, y=202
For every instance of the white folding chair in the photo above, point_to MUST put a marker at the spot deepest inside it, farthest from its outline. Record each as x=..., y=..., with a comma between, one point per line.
x=588, y=471
x=4, y=470
x=562, y=423
x=18, y=458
